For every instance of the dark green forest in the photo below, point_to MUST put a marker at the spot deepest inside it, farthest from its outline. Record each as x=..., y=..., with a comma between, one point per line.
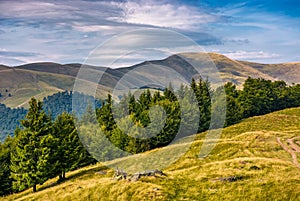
x=9, y=120
x=45, y=146
x=53, y=105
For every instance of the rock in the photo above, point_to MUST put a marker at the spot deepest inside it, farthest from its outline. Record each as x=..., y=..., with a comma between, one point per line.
x=120, y=174
x=101, y=173
x=135, y=177
x=231, y=179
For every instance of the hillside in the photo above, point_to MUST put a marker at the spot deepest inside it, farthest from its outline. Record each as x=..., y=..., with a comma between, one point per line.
x=256, y=159
x=19, y=84
x=286, y=71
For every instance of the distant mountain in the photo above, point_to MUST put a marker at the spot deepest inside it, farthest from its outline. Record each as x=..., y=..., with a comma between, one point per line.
x=289, y=72
x=19, y=84
x=48, y=67
x=2, y=67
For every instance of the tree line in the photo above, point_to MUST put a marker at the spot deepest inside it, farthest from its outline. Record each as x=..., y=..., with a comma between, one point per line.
x=53, y=105
x=124, y=123
x=44, y=147
x=9, y=119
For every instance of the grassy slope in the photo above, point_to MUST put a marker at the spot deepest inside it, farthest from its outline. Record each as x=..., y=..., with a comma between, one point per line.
x=24, y=84
x=248, y=149
x=289, y=72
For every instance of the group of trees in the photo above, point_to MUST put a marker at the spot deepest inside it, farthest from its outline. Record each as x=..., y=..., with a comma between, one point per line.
x=258, y=97
x=41, y=149
x=45, y=147
x=132, y=125
x=61, y=102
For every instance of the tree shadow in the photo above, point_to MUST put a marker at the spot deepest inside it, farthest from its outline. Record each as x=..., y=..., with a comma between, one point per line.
x=78, y=174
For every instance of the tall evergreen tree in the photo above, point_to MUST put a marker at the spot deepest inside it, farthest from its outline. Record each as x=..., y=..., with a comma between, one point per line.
x=6, y=181
x=69, y=149
x=30, y=159
x=105, y=115
x=233, y=108
x=202, y=94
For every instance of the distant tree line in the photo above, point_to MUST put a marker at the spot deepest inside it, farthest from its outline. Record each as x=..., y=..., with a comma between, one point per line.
x=61, y=102
x=45, y=147
x=53, y=105
x=9, y=120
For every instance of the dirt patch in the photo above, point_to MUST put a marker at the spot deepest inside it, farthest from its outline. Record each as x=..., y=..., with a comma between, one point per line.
x=291, y=148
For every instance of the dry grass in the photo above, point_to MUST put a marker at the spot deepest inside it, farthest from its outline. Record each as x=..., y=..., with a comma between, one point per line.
x=247, y=150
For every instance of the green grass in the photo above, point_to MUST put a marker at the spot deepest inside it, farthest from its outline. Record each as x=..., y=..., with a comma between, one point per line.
x=248, y=150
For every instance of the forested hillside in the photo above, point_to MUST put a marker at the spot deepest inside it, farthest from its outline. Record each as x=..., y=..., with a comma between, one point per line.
x=56, y=140
x=123, y=123
x=9, y=120
x=53, y=105
x=247, y=163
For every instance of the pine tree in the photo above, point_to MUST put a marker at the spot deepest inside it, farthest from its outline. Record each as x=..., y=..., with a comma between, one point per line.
x=105, y=115
x=233, y=108
x=69, y=149
x=202, y=94
x=6, y=181
x=30, y=160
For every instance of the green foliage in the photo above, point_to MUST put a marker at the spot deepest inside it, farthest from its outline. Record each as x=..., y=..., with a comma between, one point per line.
x=68, y=148
x=124, y=124
x=248, y=150
x=61, y=102
x=44, y=149
x=261, y=96
x=233, y=107
x=30, y=158
x=9, y=120
x=133, y=126
x=6, y=181
x=203, y=93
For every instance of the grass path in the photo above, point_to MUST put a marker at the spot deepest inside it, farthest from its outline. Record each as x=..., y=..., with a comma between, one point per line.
x=291, y=148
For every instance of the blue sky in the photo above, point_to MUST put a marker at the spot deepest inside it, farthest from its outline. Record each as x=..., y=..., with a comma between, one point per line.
x=67, y=31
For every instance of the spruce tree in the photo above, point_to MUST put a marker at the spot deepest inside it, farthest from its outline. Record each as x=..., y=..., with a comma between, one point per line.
x=30, y=163
x=69, y=149
x=6, y=181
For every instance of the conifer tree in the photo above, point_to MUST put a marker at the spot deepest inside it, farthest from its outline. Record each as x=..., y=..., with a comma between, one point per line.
x=30, y=163
x=69, y=149
x=6, y=181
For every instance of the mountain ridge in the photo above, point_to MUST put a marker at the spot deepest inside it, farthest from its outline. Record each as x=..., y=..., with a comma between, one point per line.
x=18, y=84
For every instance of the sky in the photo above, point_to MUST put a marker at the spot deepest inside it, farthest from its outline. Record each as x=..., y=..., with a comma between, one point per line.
x=68, y=31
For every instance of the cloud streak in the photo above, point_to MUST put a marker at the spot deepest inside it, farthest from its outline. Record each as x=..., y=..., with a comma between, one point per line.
x=254, y=55
x=164, y=15
x=67, y=31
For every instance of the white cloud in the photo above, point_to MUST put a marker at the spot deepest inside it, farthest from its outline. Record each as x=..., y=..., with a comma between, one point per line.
x=68, y=30
x=163, y=14
x=34, y=9
x=253, y=55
